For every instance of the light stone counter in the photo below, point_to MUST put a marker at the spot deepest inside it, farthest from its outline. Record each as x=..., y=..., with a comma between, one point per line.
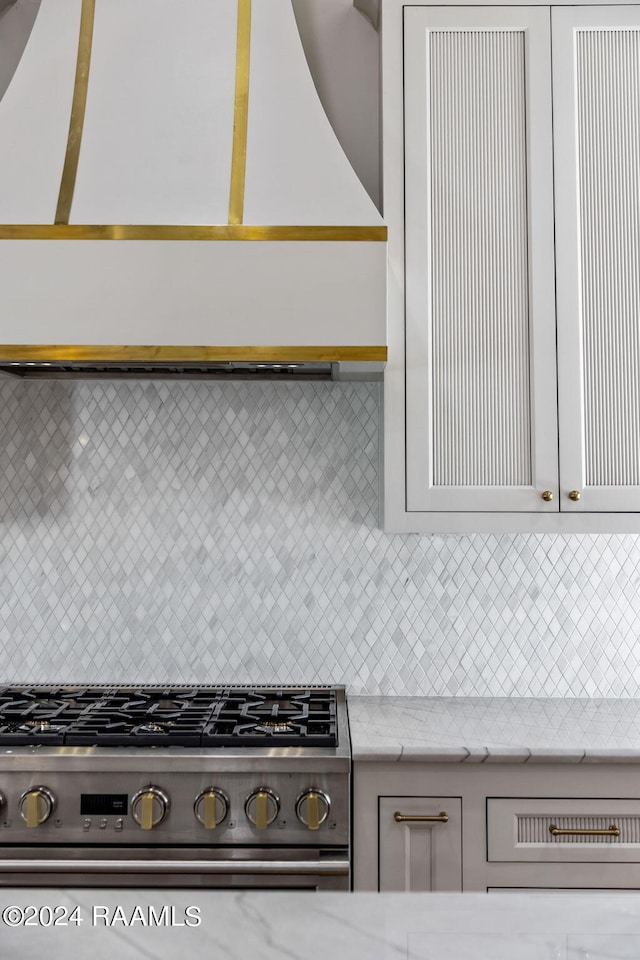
x=339, y=926
x=494, y=729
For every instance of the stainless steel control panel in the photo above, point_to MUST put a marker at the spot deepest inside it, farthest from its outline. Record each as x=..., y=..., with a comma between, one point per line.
x=208, y=808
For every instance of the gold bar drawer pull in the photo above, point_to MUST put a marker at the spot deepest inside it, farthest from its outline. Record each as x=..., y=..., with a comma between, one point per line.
x=404, y=818
x=611, y=831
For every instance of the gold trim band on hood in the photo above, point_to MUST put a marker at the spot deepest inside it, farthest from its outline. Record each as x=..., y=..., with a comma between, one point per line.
x=78, y=105
x=240, y=113
x=77, y=231
x=110, y=353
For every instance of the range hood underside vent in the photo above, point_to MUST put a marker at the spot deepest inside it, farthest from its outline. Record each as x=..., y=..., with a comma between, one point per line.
x=210, y=370
x=169, y=371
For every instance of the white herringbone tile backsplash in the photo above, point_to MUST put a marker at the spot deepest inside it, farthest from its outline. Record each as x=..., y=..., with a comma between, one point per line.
x=227, y=532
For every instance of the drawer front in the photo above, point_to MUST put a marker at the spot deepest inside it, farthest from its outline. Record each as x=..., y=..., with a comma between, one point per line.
x=563, y=830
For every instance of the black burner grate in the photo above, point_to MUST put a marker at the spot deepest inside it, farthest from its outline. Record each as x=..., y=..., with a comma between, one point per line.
x=284, y=717
x=182, y=717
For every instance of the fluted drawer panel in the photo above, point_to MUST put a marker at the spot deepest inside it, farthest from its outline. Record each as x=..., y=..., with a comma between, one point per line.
x=536, y=829
x=480, y=333
x=608, y=92
x=518, y=829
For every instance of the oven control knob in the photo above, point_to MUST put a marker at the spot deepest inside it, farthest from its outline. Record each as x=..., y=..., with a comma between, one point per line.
x=312, y=808
x=149, y=807
x=262, y=807
x=211, y=807
x=36, y=806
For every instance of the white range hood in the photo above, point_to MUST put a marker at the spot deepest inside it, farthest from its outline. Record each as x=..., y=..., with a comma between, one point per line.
x=171, y=191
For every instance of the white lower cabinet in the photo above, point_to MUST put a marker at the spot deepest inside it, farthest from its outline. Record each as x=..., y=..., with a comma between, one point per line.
x=503, y=826
x=420, y=844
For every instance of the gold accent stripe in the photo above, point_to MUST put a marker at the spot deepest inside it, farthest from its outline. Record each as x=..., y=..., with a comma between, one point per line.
x=76, y=231
x=110, y=353
x=240, y=113
x=76, y=122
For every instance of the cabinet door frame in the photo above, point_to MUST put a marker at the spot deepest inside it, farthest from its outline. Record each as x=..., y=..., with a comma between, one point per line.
x=417, y=857
x=571, y=386
x=422, y=494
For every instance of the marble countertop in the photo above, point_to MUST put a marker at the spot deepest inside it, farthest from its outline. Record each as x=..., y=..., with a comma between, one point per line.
x=314, y=926
x=494, y=729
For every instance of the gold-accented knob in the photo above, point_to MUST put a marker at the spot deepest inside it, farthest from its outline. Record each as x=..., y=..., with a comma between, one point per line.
x=211, y=807
x=149, y=807
x=36, y=806
x=262, y=807
x=312, y=808
x=574, y=495
x=262, y=812
x=146, y=811
x=547, y=496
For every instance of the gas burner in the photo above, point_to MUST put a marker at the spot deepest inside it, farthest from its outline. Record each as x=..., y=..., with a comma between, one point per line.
x=154, y=727
x=35, y=726
x=273, y=726
x=27, y=731
x=41, y=726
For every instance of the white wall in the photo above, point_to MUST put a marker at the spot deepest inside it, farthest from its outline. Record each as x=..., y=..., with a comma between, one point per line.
x=342, y=51
x=16, y=20
x=227, y=533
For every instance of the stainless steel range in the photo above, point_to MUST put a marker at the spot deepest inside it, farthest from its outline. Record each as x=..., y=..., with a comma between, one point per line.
x=167, y=786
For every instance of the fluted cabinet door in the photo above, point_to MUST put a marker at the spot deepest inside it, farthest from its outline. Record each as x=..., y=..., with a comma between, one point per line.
x=596, y=58
x=480, y=311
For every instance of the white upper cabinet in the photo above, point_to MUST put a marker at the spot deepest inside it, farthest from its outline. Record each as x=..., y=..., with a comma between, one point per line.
x=597, y=161
x=510, y=184
x=479, y=265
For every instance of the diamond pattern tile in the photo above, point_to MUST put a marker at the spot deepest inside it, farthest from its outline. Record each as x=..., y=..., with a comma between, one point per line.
x=227, y=533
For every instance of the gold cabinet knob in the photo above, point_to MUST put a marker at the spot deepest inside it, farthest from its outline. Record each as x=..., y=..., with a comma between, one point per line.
x=312, y=808
x=149, y=807
x=547, y=495
x=262, y=807
x=574, y=495
x=211, y=807
x=36, y=806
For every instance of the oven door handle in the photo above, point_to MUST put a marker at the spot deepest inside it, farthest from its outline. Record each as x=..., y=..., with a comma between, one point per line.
x=336, y=867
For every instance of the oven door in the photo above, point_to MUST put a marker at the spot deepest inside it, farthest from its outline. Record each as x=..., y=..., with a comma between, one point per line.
x=260, y=868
